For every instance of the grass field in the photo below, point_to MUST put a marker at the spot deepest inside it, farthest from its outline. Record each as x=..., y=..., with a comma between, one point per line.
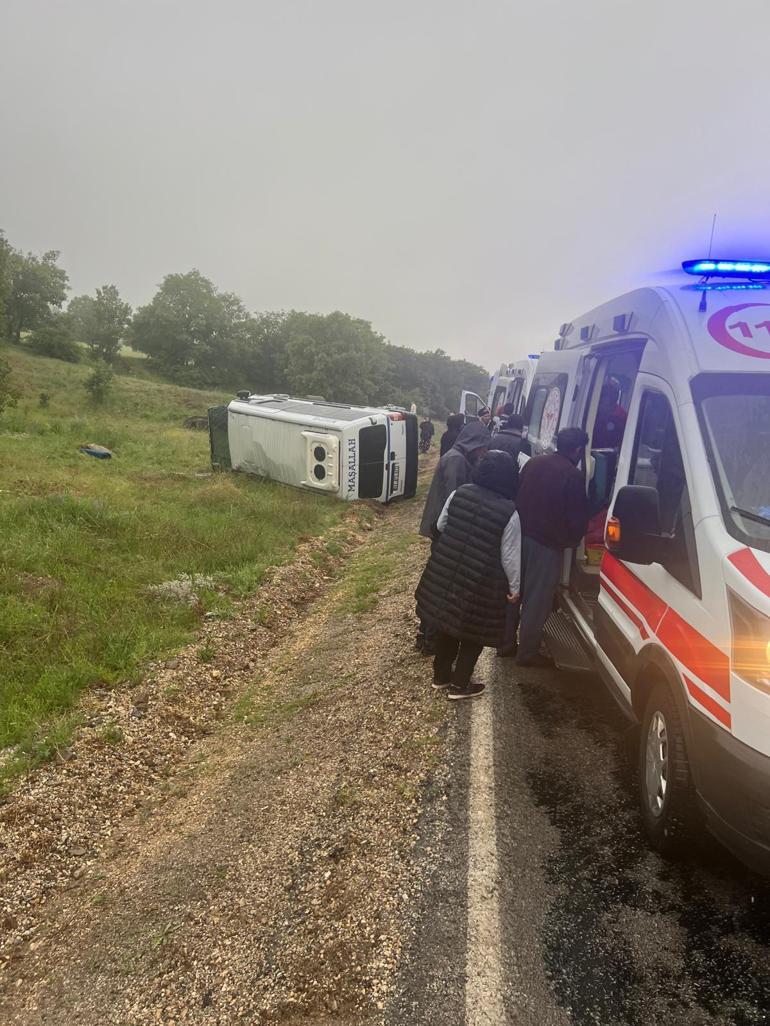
x=83, y=539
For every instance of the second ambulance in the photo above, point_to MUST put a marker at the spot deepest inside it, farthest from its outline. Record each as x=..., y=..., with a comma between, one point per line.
x=669, y=594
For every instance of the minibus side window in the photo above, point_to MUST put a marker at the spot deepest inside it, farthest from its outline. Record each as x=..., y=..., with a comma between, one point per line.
x=657, y=463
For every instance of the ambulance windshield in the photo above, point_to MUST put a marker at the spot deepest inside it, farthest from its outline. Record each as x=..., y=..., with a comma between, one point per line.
x=735, y=416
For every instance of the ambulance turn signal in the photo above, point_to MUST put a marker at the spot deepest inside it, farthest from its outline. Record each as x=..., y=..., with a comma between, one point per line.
x=612, y=534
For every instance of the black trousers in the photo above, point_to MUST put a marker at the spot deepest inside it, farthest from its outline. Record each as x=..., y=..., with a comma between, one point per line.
x=450, y=652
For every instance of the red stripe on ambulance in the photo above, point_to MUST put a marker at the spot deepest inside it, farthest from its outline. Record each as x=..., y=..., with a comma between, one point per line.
x=632, y=616
x=688, y=646
x=708, y=703
x=747, y=564
x=646, y=601
x=696, y=653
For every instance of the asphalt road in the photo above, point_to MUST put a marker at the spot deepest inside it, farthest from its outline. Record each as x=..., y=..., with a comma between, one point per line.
x=572, y=914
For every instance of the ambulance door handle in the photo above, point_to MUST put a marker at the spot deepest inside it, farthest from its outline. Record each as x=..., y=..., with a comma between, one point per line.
x=393, y=455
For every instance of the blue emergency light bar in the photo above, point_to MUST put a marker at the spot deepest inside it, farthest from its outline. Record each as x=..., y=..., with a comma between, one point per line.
x=742, y=286
x=728, y=268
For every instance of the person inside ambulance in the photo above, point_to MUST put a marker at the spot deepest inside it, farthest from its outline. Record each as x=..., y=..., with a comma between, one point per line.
x=611, y=417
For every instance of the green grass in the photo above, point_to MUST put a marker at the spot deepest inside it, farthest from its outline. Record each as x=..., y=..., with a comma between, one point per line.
x=84, y=539
x=370, y=571
x=364, y=583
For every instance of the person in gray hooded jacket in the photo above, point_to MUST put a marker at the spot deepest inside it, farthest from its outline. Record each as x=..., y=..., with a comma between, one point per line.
x=455, y=468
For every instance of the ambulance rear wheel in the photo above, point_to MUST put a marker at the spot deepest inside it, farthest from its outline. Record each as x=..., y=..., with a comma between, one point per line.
x=666, y=792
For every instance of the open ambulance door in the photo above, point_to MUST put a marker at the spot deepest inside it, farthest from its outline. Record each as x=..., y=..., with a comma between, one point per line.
x=554, y=402
x=552, y=397
x=558, y=389
x=615, y=364
x=470, y=405
x=515, y=395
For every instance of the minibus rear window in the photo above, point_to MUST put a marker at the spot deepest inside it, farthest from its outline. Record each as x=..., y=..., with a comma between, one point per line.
x=372, y=442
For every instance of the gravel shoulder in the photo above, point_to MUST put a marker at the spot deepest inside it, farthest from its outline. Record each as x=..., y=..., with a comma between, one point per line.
x=231, y=841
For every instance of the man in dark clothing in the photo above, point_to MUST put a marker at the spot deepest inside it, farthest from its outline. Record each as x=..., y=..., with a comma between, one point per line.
x=473, y=571
x=427, y=432
x=454, y=469
x=509, y=437
x=553, y=507
x=455, y=422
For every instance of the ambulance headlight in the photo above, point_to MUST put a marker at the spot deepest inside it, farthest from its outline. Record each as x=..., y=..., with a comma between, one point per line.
x=751, y=643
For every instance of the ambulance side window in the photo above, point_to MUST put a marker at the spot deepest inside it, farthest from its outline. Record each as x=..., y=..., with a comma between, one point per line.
x=657, y=463
x=499, y=399
x=538, y=402
x=545, y=410
x=515, y=395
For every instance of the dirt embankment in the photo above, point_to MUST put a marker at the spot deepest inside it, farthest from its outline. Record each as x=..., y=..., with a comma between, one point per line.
x=230, y=841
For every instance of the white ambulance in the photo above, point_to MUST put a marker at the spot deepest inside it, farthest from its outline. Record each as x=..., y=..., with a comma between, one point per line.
x=509, y=384
x=351, y=452
x=668, y=597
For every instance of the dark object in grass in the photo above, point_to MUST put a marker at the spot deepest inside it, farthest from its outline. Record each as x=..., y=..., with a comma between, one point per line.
x=197, y=423
x=91, y=449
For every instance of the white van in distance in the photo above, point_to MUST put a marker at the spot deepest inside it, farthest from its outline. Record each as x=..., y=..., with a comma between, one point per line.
x=668, y=597
x=351, y=452
x=510, y=384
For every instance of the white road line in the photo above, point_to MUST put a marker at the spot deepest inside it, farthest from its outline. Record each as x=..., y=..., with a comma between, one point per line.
x=483, y=973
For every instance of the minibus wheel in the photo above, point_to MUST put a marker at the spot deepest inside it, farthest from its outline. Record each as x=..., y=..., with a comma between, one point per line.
x=666, y=793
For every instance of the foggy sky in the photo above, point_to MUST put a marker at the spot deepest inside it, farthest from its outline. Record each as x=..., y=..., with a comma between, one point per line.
x=463, y=174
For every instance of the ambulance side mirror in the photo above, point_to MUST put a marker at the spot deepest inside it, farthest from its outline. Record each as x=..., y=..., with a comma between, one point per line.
x=633, y=530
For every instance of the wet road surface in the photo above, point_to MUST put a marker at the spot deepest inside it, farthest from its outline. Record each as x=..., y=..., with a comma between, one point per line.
x=594, y=927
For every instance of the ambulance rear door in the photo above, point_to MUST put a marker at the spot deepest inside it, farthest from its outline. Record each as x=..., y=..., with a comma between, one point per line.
x=552, y=397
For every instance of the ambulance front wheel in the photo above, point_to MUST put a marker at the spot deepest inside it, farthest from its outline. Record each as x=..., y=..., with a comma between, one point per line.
x=666, y=792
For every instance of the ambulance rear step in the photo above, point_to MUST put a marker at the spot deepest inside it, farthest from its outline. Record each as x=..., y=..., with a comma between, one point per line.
x=565, y=644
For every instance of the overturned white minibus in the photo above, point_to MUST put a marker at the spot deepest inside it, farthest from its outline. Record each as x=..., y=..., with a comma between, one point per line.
x=352, y=452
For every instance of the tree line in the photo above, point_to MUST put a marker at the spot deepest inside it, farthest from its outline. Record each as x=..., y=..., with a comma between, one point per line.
x=198, y=335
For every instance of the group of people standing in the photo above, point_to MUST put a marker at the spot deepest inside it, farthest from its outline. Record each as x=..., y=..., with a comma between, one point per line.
x=499, y=523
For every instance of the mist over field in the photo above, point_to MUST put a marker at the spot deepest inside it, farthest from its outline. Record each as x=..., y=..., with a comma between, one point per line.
x=462, y=176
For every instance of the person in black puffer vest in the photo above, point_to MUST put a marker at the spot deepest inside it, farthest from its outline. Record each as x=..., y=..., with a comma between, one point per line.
x=473, y=572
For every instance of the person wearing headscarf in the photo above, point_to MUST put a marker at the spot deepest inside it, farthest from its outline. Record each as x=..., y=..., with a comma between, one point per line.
x=472, y=575
x=454, y=469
